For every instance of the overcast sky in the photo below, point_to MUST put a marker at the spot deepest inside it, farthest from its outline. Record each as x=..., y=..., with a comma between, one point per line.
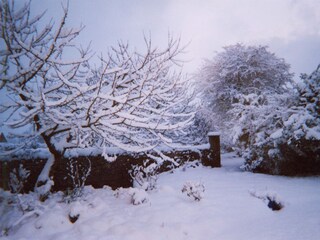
x=290, y=27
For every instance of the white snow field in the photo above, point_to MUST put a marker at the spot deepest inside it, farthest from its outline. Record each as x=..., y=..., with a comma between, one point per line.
x=233, y=206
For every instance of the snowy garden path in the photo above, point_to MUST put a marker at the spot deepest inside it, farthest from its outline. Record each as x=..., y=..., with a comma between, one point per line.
x=227, y=211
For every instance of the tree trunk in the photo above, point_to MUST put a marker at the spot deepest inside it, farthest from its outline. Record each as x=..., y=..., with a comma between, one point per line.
x=45, y=180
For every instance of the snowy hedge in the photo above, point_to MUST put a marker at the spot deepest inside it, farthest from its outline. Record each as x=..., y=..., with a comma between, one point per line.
x=280, y=133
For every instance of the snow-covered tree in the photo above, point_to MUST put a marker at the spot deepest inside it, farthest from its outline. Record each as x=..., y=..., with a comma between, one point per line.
x=238, y=69
x=280, y=133
x=132, y=100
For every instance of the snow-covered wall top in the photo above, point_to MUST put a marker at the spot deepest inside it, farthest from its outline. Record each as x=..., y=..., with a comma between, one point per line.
x=43, y=153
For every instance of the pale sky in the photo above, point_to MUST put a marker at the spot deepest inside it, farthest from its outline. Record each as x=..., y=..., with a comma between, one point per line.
x=290, y=27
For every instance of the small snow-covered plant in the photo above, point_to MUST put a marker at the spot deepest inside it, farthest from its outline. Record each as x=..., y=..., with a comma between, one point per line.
x=192, y=164
x=18, y=176
x=78, y=173
x=134, y=195
x=75, y=209
x=194, y=190
x=270, y=198
x=139, y=196
x=145, y=175
x=16, y=209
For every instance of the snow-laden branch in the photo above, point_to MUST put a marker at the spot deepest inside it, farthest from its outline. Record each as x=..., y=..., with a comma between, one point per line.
x=132, y=100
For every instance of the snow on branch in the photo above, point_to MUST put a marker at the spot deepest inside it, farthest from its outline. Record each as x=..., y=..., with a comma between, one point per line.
x=132, y=100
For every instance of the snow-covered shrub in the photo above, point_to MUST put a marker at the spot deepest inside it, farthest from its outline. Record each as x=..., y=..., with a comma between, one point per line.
x=194, y=190
x=75, y=209
x=139, y=196
x=270, y=198
x=16, y=209
x=258, y=117
x=78, y=173
x=192, y=164
x=18, y=176
x=300, y=145
x=14, y=202
x=145, y=175
x=280, y=133
x=134, y=195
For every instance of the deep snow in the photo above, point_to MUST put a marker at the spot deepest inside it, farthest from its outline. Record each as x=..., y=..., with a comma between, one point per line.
x=231, y=208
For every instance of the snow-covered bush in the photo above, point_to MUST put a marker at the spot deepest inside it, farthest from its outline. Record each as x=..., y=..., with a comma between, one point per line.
x=75, y=209
x=139, y=196
x=280, y=133
x=14, y=203
x=270, y=198
x=145, y=175
x=16, y=209
x=258, y=118
x=192, y=164
x=18, y=176
x=78, y=173
x=194, y=190
x=134, y=195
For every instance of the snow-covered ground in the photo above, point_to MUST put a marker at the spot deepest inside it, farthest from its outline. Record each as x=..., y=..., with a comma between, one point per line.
x=232, y=207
